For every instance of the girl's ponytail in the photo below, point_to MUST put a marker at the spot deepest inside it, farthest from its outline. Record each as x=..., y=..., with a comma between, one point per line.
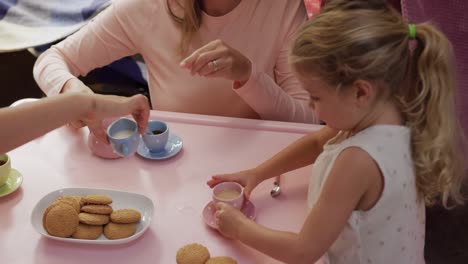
x=429, y=108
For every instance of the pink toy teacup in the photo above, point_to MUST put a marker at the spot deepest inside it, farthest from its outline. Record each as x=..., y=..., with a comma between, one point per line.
x=229, y=192
x=102, y=149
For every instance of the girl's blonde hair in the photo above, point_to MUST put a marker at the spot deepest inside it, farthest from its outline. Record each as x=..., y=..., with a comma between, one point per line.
x=368, y=40
x=189, y=20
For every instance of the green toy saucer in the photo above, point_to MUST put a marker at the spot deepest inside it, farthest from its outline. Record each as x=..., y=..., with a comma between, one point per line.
x=12, y=184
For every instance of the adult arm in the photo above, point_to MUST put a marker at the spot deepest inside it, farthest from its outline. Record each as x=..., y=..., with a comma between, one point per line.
x=113, y=34
x=282, y=97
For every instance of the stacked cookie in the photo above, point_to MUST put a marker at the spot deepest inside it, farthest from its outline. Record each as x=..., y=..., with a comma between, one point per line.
x=123, y=224
x=198, y=254
x=88, y=217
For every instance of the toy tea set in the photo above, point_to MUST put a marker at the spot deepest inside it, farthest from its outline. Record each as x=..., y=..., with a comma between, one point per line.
x=158, y=143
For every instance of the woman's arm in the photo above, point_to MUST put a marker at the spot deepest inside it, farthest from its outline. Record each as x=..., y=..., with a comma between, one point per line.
x=282, y=97
x=113, y=34
x=23, y=123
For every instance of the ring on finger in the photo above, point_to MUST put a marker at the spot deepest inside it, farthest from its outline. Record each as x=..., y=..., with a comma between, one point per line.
x=215, y=65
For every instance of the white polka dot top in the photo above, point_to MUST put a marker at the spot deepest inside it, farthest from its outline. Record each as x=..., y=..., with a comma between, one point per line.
x=393, y=230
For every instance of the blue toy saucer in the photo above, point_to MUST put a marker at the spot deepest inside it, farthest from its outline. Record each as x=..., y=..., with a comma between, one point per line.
x=173, y=146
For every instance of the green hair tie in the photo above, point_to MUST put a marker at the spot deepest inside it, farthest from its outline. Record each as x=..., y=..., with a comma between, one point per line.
x=412, y=31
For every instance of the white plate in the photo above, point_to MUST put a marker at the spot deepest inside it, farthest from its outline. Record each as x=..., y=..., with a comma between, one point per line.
x=120, y=200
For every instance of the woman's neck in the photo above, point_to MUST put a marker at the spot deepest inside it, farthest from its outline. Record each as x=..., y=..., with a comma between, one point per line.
x=219, y=7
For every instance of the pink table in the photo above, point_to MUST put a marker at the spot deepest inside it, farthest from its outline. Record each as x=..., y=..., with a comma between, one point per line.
x=61, y=159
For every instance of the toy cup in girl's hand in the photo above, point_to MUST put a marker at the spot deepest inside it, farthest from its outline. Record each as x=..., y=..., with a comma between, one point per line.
x=123, y=136
x=229, y=192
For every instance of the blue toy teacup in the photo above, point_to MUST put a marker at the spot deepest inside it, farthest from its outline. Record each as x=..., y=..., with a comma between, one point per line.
x=156, y=135
x=123, y=136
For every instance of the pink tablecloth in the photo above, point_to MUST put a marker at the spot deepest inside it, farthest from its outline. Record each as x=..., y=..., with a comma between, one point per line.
x=60, y=159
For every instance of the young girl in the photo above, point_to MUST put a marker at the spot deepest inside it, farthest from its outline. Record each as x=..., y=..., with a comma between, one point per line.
x=23, y=123
x=397, y=148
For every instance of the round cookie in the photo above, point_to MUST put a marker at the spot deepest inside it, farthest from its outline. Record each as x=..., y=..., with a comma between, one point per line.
x=221, y=260
x=61, y=220
x=84, y=231
x=125, y=216
x=97, y=209
x=45, y=213
x=118, y=231
x=192, y=254
x=93, y=219
x=97, y=199
x=69, y=200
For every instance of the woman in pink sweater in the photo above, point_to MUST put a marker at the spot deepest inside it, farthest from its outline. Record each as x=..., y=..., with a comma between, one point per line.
x=217, y=57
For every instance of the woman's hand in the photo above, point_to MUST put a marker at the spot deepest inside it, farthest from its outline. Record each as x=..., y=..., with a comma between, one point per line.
x=229, y=220
x=217, y=59
x=248, y=178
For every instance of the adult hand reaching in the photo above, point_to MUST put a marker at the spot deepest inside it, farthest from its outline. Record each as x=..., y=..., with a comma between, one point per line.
x=217, y=59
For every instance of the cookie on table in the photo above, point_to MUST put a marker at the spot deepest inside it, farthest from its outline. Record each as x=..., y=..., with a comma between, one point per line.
x=97, y=209
x=93, y=219
x=97, y=199
x=125, y=216
x=118, y=231
x=192, y=254
x=84, y=231
x=61, y=220
x=221, y=260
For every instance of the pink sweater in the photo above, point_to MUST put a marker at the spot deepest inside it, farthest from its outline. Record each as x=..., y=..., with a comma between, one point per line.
x=262, y=30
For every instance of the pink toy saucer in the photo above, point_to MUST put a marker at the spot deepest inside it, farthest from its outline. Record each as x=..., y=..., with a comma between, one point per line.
x=208, y=213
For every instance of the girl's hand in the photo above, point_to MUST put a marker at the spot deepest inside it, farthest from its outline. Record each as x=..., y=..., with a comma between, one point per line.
x=217, y=59
x=229, y=220
x=248, y=178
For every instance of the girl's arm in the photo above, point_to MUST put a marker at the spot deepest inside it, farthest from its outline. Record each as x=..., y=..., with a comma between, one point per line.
x=353, y=179
x=23, y=123
x=299, y=154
